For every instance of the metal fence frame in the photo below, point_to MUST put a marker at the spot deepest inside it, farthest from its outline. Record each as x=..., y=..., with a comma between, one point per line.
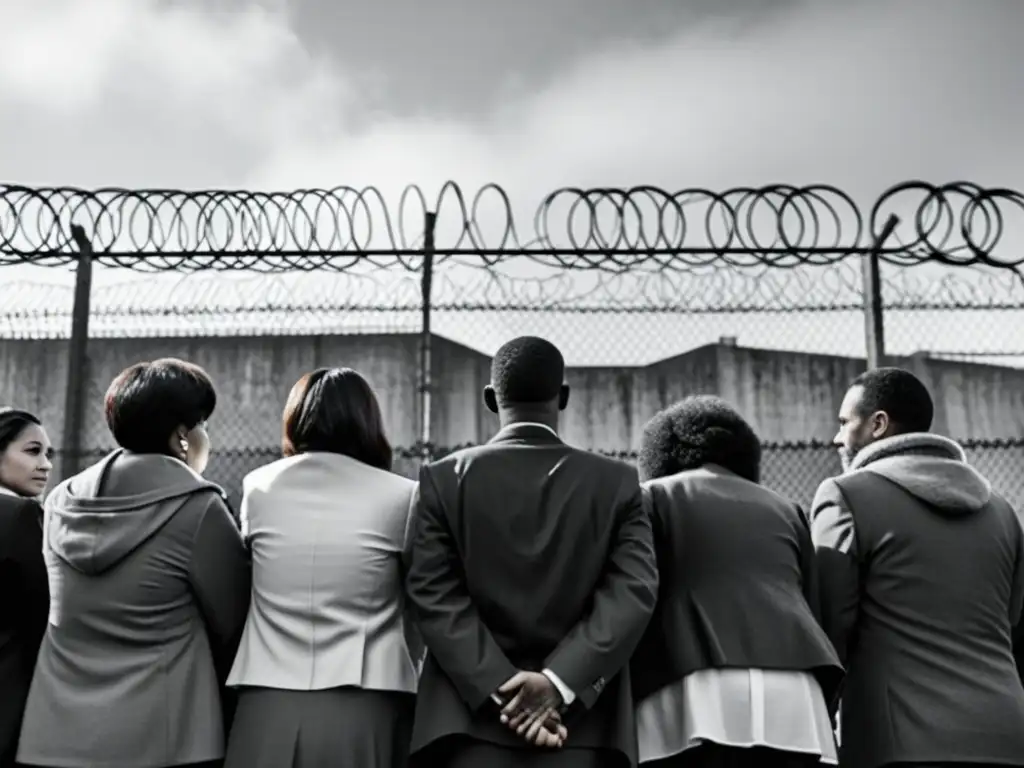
x=614, y=230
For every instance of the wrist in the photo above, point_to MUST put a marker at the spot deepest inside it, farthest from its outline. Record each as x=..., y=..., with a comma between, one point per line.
x=564, y=692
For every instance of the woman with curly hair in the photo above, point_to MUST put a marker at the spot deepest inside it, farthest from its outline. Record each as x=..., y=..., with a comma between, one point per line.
x=734, y=669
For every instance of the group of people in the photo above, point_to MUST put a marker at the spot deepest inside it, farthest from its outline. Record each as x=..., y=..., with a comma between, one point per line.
x=525, y=603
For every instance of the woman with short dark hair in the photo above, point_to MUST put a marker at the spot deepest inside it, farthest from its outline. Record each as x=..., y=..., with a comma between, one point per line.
x=149, y=583
x=734, y=669
x=25, y=464
x=326, y=671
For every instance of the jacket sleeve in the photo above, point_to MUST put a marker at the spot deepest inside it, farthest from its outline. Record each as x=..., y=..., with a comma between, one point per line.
x=600, y=645
x=221, y=578
x=808, y=564
x=835, y=541
x=23, y=551
x=1017, y=601
x=451, y=626
x=413, y=636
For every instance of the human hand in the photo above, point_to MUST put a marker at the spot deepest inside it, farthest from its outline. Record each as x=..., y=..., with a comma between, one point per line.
x=550, y=733
x=531, y=708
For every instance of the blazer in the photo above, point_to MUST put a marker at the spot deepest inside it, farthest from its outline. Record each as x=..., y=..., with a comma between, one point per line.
x=529, y=554
x=149, y=585
x=326, y=534
x=738, y=583
x=922, y=574
x=24, y=604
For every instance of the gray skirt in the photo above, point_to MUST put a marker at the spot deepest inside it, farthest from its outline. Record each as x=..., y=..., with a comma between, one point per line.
x=338, y=727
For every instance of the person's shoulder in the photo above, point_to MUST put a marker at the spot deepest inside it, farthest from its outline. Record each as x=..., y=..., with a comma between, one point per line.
x=207, y=497
x=1006, y=508
x=773, y=498
x=466, y=452
x=831, y=499
x=10, y=505
x=831, y=488
x=839, y=488
x=394, y=490
x=263, y=477
x=456, y=461
x=17, y=513
x=605, y=465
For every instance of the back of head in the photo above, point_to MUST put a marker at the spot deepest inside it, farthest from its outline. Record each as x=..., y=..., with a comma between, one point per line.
x=334, y=410
x=699, y=430
x=900, y=395
x=147, y=402
x=527, y=371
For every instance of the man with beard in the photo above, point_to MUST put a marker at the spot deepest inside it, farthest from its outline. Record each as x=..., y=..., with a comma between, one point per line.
x=921, y=566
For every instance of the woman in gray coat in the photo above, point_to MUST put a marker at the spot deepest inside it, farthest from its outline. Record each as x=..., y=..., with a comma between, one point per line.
x=149, y=584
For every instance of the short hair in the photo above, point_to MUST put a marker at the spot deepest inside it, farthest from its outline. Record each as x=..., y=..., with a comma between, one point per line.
x=527, y=370
x=14, y=421
x=147, y=401
x=899, y=393
x=334, y=410
x=699, y=430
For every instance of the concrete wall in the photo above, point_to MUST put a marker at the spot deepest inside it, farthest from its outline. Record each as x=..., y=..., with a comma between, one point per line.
x=789, y=397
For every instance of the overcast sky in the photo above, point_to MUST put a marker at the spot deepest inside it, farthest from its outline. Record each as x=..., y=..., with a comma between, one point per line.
x=533, y=95
x=278, y=94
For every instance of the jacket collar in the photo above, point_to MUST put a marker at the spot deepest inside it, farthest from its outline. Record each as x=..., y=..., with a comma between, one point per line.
x=526, y=432
x=913, y=443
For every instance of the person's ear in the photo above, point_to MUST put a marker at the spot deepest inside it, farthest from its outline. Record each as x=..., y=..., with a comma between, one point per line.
x=879, y=424
x=563, y=397
x=179, y=442
x=490, y=399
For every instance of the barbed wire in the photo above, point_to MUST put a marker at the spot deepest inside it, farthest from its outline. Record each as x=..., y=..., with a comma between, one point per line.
x=458, y=288
x=613, y=230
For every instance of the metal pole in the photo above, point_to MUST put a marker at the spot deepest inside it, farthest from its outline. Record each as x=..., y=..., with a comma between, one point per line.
x=76, y=386
x=874, y=310
x=426, y=372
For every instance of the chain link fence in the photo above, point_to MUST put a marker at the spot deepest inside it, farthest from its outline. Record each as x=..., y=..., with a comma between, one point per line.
x=644, y=313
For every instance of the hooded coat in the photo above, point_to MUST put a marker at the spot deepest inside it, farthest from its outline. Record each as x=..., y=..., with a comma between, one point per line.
x=921, y=569
x=149, y=583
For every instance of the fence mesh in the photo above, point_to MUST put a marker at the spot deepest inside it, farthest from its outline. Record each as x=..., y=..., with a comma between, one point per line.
x=756, y=295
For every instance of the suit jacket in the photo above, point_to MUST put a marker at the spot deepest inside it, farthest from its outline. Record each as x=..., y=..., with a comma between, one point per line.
x=24, y=604
x=922, y=576
x=530, y=554
x=149, y=585
x=326, y=533
x=738, y=583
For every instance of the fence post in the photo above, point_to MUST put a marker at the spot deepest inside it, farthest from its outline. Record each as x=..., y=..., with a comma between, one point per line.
x=426, y=365
x=77, y=383
x=874, y=310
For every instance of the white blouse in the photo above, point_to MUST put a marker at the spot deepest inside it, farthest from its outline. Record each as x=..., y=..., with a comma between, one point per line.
x=782, y=710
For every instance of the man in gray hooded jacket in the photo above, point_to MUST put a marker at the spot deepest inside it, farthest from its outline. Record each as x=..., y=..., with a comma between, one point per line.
x=922, y=582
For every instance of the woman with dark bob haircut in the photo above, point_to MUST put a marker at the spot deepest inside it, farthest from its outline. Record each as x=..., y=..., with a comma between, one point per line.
x=149, y=585
x=734, y=669
x=326, y=672
x=25, y=456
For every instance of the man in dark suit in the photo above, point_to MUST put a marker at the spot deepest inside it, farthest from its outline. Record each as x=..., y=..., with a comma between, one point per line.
x=921, y=568
x=532, y=577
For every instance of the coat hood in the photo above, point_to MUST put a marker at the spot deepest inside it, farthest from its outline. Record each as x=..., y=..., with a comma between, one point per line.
x=934, y=469
x=140, y=493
